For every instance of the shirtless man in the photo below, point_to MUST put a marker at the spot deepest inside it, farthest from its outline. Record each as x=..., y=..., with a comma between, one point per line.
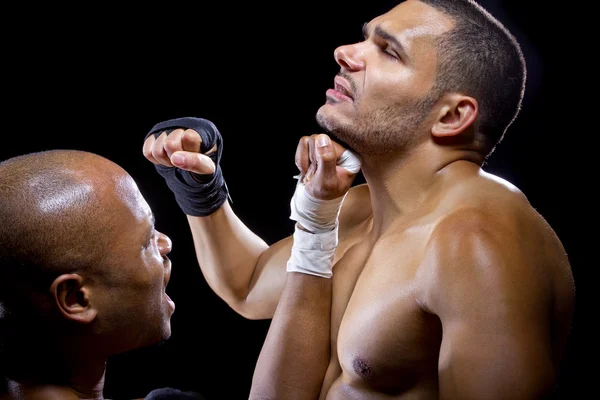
x=446, y=282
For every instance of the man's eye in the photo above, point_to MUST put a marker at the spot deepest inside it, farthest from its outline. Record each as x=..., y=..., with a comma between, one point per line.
x=390, y=52
x=149, y=243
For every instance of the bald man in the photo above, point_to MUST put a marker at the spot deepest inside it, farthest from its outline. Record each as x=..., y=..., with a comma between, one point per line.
x=83, y=273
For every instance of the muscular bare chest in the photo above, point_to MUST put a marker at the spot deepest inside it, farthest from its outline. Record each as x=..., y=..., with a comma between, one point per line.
x=381, y=337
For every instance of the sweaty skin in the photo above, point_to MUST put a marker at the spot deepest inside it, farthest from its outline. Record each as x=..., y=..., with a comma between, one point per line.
x=80, y=219
x=447, y=283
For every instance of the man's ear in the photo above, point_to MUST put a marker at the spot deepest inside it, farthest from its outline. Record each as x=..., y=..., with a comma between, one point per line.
x=73, y=298
x=456, y=115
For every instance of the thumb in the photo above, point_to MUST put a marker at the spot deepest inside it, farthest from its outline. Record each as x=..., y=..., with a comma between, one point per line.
x=326, y=160
x=193, y=162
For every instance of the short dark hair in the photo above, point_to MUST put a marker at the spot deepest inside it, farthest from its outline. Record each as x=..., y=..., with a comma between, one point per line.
x=479, y=57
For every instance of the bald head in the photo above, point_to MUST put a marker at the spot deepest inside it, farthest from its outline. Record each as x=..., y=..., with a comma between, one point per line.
x=53, y=208
x=82, y=272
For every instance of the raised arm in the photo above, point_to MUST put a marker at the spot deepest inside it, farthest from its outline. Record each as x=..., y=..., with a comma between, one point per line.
x=238, y=265
x=296, y=351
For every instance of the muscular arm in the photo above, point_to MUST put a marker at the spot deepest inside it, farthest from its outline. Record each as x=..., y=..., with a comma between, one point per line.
x=244, y=270
x=296, y=351
x=238, y=265
x=494, y=304
x=295, y=355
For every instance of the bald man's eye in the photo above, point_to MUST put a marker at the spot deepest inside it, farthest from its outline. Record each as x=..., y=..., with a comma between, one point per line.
x=149, y=242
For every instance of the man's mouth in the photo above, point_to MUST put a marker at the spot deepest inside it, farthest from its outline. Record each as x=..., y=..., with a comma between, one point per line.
x=342, y=90
x=342, y=86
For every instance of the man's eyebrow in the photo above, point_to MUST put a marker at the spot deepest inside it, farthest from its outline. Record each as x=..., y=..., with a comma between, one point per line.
x=387, y=36
x=365, y=30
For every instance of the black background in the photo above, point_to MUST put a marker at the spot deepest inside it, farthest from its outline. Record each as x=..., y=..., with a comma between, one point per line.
x=97, y=79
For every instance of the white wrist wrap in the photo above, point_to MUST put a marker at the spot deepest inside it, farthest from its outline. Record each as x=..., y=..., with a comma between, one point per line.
x=312, y=253
x=314, y=214
x=350, y=161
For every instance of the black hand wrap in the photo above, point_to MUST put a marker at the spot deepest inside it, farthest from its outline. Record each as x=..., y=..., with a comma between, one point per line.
x=197, y=195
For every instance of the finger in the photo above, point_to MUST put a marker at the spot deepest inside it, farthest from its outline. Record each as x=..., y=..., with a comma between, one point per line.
x=302, y=155
x=326, y=171
x=312, y=159
x=191, y=141
x=339, y=149
x=212, y=150
x=158, y=150
x=147, y=148
x=193, y=162
x=173, y=142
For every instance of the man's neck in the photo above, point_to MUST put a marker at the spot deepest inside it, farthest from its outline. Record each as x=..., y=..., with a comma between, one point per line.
x=73, y=379
x=405, y=185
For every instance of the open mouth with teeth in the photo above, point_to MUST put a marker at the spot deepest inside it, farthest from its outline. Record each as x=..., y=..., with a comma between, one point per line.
x=342, y=90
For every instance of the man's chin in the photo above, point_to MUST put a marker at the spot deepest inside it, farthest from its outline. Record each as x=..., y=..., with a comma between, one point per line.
x=344, y=144
x=328, y=128
x=165, y=338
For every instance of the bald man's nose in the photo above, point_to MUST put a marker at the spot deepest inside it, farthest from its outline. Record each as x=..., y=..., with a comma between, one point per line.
x=164, y=243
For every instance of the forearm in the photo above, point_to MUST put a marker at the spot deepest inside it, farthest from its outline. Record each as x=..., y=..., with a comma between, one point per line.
x=296, y=352
x=238, y=265
x=228, y=253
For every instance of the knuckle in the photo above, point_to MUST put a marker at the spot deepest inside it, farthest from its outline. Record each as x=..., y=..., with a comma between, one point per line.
x=191, y=136
x=327, y=155
x=147, y=151
x=155, y=152
x=171, y=144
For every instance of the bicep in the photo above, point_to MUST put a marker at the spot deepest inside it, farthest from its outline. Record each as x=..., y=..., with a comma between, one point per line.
x=494, y=313
x=485, y=358
x=268, y=280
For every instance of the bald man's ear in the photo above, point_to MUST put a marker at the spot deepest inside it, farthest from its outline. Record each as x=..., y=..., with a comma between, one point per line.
x=456, y=115
x=72, y=298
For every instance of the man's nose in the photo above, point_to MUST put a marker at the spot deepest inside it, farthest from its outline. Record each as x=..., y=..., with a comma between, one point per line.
x=164, y=243
x=349, y=57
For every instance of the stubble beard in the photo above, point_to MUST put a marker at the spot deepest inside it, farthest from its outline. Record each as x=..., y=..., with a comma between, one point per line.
x=380, y=131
